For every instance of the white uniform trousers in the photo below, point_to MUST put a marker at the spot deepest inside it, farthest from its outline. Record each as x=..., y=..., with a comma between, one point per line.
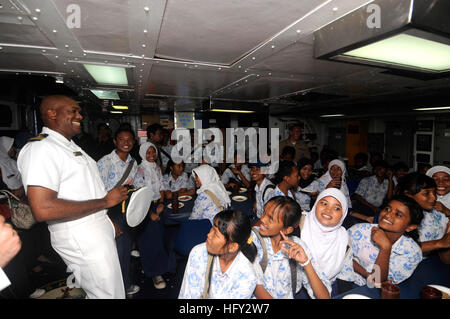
x=88, y=248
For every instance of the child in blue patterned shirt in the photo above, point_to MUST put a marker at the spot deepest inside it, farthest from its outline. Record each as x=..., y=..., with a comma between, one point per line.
x=434, y=230
x=176, y=180
x=229, y=253
x=385, y=245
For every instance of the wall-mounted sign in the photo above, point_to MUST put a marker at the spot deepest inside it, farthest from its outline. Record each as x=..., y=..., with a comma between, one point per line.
x=184, y=120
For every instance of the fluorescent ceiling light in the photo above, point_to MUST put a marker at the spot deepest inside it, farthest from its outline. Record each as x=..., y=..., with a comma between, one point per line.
x=106, y=95
x=413, y=36
x=112, y=75
x=332, y=115
x=120, y=107
x=407, y=51
x=432, y=108
x=231, y=111
x=116, y=112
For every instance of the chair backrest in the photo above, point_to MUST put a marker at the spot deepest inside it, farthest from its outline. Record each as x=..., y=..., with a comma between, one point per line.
x=191, y=233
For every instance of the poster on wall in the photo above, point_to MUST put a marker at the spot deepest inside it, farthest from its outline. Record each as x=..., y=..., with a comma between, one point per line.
x=184, y=120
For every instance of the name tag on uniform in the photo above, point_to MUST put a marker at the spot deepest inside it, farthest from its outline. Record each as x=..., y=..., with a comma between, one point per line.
x=77, y=153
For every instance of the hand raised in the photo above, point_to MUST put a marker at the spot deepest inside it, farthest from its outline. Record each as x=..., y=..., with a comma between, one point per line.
x=295, y=251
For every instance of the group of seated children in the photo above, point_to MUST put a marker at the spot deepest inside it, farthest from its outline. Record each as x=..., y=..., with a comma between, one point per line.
x=294, y=251
x=289, y=249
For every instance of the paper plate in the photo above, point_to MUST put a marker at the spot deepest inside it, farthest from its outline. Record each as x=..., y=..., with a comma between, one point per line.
x=355, y=296
x=179, y=205
x=239, y=198
x=445, y=290
x=229, y=193
x=137, y=206
x=242, y=190
x=184, y=198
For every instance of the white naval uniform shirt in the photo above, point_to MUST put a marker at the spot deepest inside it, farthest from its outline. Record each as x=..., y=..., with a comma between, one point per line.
x=87, y=244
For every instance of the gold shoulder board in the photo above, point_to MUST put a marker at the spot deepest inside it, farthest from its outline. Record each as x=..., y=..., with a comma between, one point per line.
x=40, y=137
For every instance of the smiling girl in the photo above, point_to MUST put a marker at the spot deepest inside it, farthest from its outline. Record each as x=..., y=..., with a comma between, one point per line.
x=391, y=244
x=306, y=177
x=333, y=178
x=327, y=240
x=230, y=252
x=154, y=257
x=280, y=280
x=441, y=175
x=434, y=230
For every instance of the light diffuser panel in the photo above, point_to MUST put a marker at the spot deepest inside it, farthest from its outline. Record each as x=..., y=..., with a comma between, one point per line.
x=406, y=50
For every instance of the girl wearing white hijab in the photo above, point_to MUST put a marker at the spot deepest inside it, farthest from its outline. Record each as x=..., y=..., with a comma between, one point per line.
x=333, y=178
x=212, y=195
x=154, y=257
x=327, y=240
x=10, y=173
x=150, y=170
x=441, y=175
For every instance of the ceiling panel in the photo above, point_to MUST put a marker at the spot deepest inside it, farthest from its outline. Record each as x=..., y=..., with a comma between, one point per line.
x=187, y=81
x=29, y=62
x=104, y=25
x=220, y=31
x=298, y=59
x=265, y=88
x=26, y=34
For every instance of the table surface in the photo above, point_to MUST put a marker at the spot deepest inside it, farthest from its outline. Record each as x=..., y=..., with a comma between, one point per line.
x=431, y=271
x=184, y=212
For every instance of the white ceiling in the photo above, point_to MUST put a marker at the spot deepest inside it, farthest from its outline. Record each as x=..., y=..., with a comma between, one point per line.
x=252, y=50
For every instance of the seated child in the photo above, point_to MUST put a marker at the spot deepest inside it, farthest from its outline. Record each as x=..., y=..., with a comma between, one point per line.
x=441, y=175
x=321, y=230
x=212, y=196
x=434, y=230
x=371, y=192
x=263, y=187
x=286, y=179
x=226, y=258
x=334, y=177
x=176, y=180
x=389, y=245
x=237, y=174
x=306, y=177
x=281, y=278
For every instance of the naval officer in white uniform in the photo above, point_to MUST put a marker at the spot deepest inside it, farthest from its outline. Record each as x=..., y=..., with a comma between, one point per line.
x=64, y=189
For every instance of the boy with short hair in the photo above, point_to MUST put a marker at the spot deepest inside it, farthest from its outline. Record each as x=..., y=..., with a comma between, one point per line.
x=263, y=187
x=371, y=192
